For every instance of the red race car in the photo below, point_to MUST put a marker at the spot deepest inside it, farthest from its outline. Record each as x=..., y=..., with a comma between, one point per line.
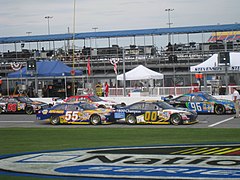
x=93, y=99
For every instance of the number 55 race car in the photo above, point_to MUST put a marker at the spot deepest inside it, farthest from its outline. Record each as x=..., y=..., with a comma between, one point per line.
x=203, y=102
x=78, y=113
x=154, y=112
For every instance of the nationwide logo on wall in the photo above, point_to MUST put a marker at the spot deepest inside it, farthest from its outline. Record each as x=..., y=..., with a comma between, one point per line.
x=155, y=162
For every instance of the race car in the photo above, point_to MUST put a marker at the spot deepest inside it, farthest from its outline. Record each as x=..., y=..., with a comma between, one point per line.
x=75, y=113
x=154, y=112
x=20, y=104
x=90, y=98
x=202, y=102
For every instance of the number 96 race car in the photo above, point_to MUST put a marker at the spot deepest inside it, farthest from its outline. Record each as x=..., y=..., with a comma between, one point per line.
x=203, y=102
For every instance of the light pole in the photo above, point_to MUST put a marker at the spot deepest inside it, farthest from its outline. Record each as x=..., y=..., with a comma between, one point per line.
x=169, y=22
x=28, y=33
x=73, y=47
x=124, y=73
x=48, y=17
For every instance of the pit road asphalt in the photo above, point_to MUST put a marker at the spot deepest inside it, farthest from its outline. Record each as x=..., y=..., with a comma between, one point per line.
x=205, y=121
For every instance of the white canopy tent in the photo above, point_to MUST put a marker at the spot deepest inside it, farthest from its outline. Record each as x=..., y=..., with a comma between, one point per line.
x=140, y=73
x=211, y=64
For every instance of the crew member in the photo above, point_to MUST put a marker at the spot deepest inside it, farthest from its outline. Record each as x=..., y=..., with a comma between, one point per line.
x=106, y=88
x=99, y=89
x=236, y=99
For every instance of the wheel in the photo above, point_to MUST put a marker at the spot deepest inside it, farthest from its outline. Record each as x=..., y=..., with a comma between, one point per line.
x=175, y=119
x=29, y=110
x=131, y=119
x=219, y=109
x=123, y=104
x=102, y=106
x=1, y=110
x=55, y=120
x=178, y=106
x=95, y=119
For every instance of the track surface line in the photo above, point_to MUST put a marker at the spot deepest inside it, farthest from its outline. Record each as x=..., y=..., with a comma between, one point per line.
x=220, y=122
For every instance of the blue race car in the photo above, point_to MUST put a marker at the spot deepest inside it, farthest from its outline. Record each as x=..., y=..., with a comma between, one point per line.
x=203, y=102
x=76, y=113
x=154, y=112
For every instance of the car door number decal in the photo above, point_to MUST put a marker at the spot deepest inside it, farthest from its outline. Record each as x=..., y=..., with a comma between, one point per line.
x=12, y=107
x=150, y=116
x=71, y=115
x=196, y=106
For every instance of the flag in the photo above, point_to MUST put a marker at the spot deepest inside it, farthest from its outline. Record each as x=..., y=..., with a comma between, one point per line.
x=115, y=68
x=89, y=67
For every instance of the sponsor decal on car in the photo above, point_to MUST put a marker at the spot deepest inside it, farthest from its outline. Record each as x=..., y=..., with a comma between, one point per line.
x=56, y=111
x=155, y=162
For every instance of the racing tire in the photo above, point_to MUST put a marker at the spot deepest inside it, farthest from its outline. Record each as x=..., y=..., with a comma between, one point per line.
x=178, y=106
x=29, y=110
x=55, y=120
x=219, y=109
x=123, y=104
x=1, y=110
x=102, y=106
x=95, y=119
x=175, y=119
x=131, y=119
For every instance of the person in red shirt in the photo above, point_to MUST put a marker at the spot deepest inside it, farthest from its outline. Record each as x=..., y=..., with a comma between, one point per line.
x=106, y=89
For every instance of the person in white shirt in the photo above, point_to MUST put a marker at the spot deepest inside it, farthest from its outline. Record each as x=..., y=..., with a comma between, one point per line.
x=236, y=99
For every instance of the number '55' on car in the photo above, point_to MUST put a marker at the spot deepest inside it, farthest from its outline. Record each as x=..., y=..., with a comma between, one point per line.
x=77, y=113
x=203, y=102
x=154, y=112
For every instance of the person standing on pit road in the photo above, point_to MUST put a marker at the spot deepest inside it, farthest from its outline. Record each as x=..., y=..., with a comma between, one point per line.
x=236, y=100
x=99, y=89
x=106, y=88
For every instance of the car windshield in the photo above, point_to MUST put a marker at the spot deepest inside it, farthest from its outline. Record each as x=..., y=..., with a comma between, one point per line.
x=87, y=106
x=95, y=98
x=165, y=105
x=209, y=97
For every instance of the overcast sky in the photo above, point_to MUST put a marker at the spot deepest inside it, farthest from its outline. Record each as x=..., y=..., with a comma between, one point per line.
x=20, y=16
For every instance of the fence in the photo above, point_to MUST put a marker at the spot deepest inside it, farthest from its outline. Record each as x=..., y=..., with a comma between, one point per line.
x=164, y=91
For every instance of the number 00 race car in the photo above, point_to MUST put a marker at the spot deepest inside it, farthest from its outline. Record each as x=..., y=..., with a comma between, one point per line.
x=203, y=102
x=154, y=112
x=78, y=113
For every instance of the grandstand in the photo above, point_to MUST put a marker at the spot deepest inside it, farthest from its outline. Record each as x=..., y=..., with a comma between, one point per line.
x=225, y=36
x=173, y=59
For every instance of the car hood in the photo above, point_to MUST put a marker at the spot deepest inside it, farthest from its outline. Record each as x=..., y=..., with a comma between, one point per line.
x=39, y=103
x=186, y=109
x=178, y=110
x=106, y=102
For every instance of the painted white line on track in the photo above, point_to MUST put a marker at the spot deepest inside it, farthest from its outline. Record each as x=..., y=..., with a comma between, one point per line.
x=220, y=122
x=17, y=121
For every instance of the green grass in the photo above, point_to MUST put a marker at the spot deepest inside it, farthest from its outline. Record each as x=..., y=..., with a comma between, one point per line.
x=18, y=140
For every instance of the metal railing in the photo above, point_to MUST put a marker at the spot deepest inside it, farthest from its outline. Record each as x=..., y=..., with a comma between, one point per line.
x=164, y=91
